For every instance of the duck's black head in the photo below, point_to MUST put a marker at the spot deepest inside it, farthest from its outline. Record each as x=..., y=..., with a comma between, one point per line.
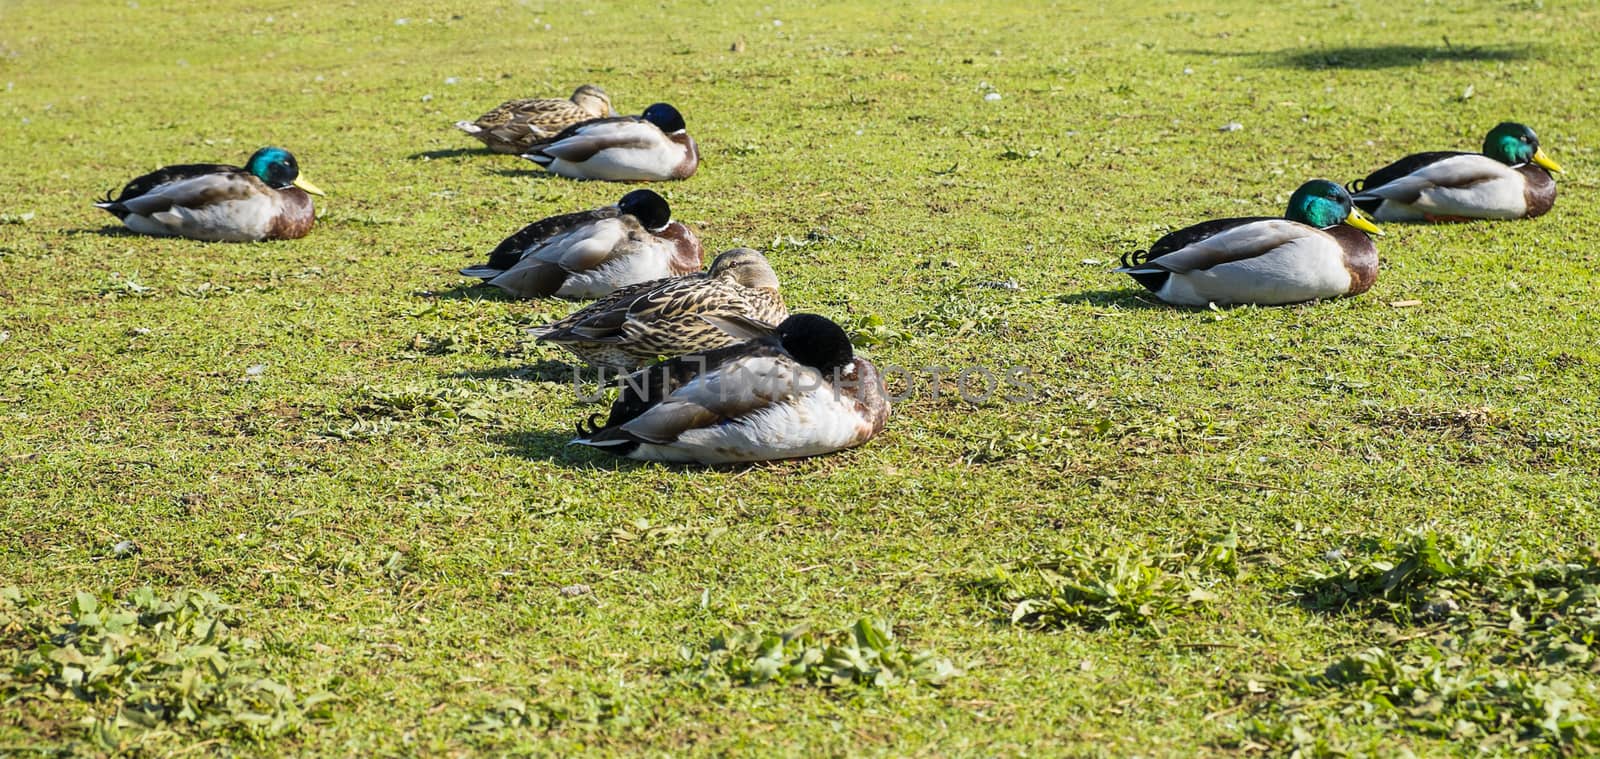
x=816, y=342
x=665, y=117
x=648, y=207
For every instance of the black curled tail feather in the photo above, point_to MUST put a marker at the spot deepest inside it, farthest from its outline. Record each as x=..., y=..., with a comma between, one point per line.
x=591, y=426
x=1135, y=258
x=1355, y=186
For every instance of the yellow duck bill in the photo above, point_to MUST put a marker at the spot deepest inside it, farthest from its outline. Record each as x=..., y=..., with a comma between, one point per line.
x=1546, y=161
x=305, y=184
x=1359, y=220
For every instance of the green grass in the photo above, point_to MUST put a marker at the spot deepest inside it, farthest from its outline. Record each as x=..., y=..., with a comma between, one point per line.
x=387, y=505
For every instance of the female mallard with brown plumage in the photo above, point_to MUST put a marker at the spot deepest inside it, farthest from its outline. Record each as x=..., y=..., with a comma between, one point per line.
x=266, y=199
x=636, y=325
x=590, y=254
x=517, y=126
x=1510, y=179
x=789, y=391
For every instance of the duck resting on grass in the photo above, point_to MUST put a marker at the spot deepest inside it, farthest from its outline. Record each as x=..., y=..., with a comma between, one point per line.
x=265, y=200
x=652, y=147
x=789, y=391
x=1510, y=179
x=640, y=323
x=590, y=254
x=1319, y=250
x=517, y=126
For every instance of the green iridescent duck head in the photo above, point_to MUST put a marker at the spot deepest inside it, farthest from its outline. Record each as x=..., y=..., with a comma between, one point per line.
x=279, y=170
x=1514, y=144
x=1322, y=204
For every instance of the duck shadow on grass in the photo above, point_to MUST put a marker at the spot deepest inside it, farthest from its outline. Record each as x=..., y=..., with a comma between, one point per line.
x=469, y=291
x=109, y=230
x=531, y=172
x=544, y=371
x=430, y=155
x=1372, y=57
x=555, y=447
x=1126, y=298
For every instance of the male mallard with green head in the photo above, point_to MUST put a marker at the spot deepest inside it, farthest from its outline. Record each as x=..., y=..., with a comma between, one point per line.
x=1319, y=250
x=1510, y=179
x=266, y=199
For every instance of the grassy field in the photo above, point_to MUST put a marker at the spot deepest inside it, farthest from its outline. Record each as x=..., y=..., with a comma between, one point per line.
x=1355, y=526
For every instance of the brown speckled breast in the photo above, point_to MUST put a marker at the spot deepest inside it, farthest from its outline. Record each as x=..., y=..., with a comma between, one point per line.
x=295, y=217
x=1360, y=256
x=1541, y=191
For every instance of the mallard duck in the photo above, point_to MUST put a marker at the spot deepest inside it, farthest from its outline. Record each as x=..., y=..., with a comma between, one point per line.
x=1510, y=179
x=638, y=324
x=652, y=147
x=590, y=254
x=516, y=126
x=1320, y=250
x=789, y=391
x=264, y=200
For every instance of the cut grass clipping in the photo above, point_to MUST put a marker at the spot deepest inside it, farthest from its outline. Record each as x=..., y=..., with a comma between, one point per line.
x=142, y=668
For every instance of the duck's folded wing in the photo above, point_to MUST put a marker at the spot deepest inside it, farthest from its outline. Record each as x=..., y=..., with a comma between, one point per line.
x=582, y=141
x=1402, y=167
x=1241, y=242
x=511, y=250
x=599, y=320
x=194, y=192
x=688, y=302
x=168, y=175
x=1455, y=172
x=585, y=247
x=734, y=389
x=522, y=132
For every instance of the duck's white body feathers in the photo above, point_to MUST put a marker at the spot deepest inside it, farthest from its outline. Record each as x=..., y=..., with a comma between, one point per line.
x=1468, y=185
x=223, y=207
x=619, y=150
x=593, y=258
x=1261, y=261
x=753, y=408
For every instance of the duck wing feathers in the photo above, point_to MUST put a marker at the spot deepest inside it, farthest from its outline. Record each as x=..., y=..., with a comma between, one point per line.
x=640, y=311
x=513, y=248
x=590, y=245
x=732, y=388
x=1458, y=170
x=1218, y=242
x=188, y=185
x=1400, y=168
x=580, y=142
